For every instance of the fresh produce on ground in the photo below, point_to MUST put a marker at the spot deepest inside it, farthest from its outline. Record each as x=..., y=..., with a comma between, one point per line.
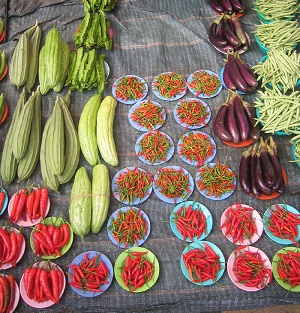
x=105, y=135
x=7, y=293
x=260, y=170
x=54, y=59
x=99, y=5
x=228, y=6
x=87, y=130
x=202, y=263
x=48, y=239
x=30, y=203
x=283, y=34
x=100, y=196
x=279, y=68
x=91, y=274
x=86, y=70
x=190, y=222
x=235, y=120
x=93, y=32
x=11, y=241
x=25, y=58
x=278, y=111
x=2, y=29
x=239, y=223
x=251, y=269
x=3, y=64
x=60, y=149
x=80, y=209
x=287, y=265
x=283, y=223
x=22, y=143
x=128, y=227
x=44, y=281
x=215, y=179
x=137, y=270
x=239, y=75
x=276, y=9
x=227, y=32
x=2, y=107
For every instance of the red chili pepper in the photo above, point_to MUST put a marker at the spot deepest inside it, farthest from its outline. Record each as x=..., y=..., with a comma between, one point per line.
x=14, y=248
x=44, y=201
x=5, y=286
x=55, y=284
x=14, y=207
x=2, y=198
x=66, y=237
x=36, y=206
x=44, y=281
x=11, y=281
x=29, y=204
x=21, y=206
x=30, y=283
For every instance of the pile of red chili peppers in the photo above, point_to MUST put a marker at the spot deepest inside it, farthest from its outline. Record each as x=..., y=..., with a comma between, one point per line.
x=90, y=274
x=283, y=224
x=130, y=88
x=216, y=180
x=250, y=269
x=50, y=239
x=29, y=203
x=288, y=267
x=10, y=243
x=190, y=222
x=148, y=115
x=137, y=270
x=43, y=283
x=239, y=223
x=202, y=264
x=173, y=183
x=204, y=83
x=192, y=113
x=196, y=147
x=7, y=293
x=154, y=147
x=133, y=184
x=129, y=227
x=169, y=85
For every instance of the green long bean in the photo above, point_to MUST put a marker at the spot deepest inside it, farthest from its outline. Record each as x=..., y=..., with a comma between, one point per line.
x=277, y=9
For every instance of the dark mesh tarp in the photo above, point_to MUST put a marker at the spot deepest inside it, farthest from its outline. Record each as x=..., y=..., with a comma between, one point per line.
x=151, y=36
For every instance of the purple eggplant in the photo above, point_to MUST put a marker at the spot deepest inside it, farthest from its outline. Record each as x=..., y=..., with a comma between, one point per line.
x=214, y=4
x=272, y=150
x=235, y=73
x=244, y=171
x=232, y=122
x=241, y=117
x=220, y=127
x=250, y=112
x=254, y=190
x=267, y=165
x=249, y=78
x=231, y=37
x=212, y=35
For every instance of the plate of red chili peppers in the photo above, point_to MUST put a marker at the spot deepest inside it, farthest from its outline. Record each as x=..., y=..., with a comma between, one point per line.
x=136, y=269
x=191, y=221
x=132, y=185
x=12, y=244
x=147, y=115
x=282, y=224
x=215, y=181
x=129, y=89
x=154, y=147
x=202, y=263
x=51, y=238
x=128, y=227
x=90, y=274
x=29, y=206
x=173, y=184
x=192, y=113
x=169, y=86
x=42, y=284
x=11, y=293
x=285, y=266
x=249, y=268
x=196, y=148
x=241, y=224
x=3, y=200
x=204, y=84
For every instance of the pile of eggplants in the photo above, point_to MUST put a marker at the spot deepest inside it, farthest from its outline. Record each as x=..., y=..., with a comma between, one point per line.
x=260, y=170
x=238, y=74
x=235, y=120
x=227, y=33
x=228, y=6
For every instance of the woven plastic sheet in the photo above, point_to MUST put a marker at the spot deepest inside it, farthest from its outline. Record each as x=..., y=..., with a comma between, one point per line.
x=150, y=37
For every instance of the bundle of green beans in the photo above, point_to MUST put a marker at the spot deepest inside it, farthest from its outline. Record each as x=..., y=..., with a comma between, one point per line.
x=93, y=32
x=296, y=144
x=86, y=70
x=278, y=111
x=279, y=68
x=279, y=33
x=277, y=9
